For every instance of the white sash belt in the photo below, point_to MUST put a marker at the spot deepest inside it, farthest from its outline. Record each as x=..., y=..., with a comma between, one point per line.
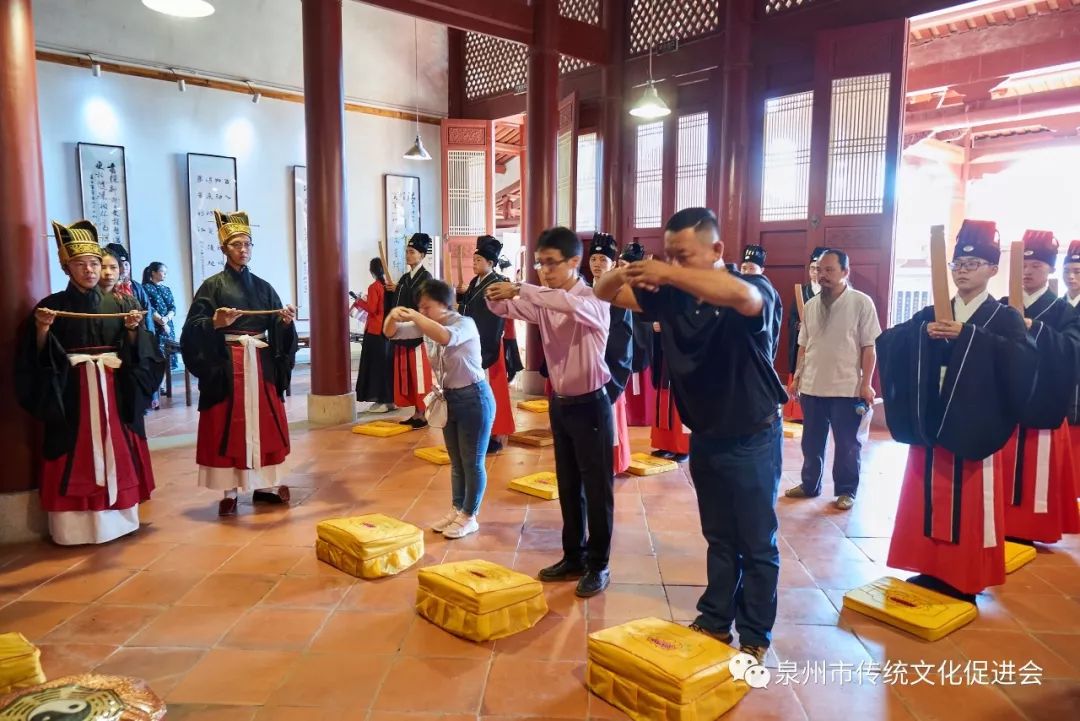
x=252, y=444
x=635, y=383
x=1042, y=470
x=989, y=528
x=97, y=390
x=421, y=379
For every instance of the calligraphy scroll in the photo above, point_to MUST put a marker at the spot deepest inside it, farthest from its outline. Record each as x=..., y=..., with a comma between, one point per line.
x=103, y=191
x=402, y=217
x=211, y=186
x=303, y=286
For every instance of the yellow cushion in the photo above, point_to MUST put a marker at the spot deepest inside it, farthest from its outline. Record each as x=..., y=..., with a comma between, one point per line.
x=436, y=454
x=369, y=546
x=381, y=429
x=642, y=464
x=656, y=669
x=536, y=406
x=1018, y=555
x=919, y=611
x=533, y=437
x=541, y=485
x=479, y=600
x=792, y=430
x=20, y=663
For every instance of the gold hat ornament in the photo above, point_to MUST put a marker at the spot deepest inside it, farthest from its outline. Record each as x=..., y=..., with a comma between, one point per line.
x=229, y=225
x=79, y=238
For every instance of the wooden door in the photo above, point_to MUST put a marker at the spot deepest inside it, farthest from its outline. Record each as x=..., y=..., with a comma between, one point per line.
x=468, y=175
x=566, y=170
x=855, y=151
x=827, y=140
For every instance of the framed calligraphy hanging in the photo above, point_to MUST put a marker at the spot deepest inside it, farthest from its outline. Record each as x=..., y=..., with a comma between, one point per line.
x=300, y=231
x=211, y=186
x=402, y=219
x=103, y=191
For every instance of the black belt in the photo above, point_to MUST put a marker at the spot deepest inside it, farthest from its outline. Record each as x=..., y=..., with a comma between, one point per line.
x=579, y=400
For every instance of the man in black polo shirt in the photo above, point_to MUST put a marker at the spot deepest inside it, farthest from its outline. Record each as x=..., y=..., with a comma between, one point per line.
x=719, y=336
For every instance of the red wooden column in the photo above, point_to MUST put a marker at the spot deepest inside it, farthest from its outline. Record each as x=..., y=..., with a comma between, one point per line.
x=613, y=117
x=735, y=133
x=541, y=147
x=331, y=400
x=23, y=248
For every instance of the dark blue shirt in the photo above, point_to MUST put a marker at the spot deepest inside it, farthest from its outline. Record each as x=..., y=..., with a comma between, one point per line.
x=720, y=362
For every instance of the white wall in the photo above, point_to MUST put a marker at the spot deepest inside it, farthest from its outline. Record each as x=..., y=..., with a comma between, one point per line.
x=258, y=40
x=158, y=126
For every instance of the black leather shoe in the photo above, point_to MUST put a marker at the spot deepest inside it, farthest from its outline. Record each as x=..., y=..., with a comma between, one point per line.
x=681, y=457
x=494, y=447
x=666, y=455
x=592, y=583
x=564, y=570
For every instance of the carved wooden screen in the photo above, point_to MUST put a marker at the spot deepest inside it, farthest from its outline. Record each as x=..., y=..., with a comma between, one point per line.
x=656, y=21
x=493, y=66
x=773, y=7
x=468, y=170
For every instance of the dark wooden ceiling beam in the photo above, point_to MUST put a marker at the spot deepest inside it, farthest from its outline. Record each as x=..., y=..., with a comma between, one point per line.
x=987, y=112
x=506, y=19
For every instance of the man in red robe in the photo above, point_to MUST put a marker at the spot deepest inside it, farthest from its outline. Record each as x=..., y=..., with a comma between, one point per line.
x=86, y=368
x=954, y=391
x=240, y=342
x=1040, y=488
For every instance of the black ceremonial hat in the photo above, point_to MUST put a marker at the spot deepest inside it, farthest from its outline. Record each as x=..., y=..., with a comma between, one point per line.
x=420, y=242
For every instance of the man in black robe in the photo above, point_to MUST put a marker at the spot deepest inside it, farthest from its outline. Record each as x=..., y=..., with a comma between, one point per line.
x=412, y=370
x=640, y=393
x=954, y=392
x=809, y=290
x=240, y=342
x=1040, y=490
x=89, y=380
x=753, y=260
x=491, y=327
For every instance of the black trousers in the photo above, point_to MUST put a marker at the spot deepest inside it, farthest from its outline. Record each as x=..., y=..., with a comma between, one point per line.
x=584, y=434
x=819, y=414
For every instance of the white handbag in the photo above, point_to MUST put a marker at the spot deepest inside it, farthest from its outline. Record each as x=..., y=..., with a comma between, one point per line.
x=436, y=413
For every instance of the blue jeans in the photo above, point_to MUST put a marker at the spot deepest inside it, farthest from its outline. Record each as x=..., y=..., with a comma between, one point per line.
x=470, y=413
x=736, y=481
x=819, y=413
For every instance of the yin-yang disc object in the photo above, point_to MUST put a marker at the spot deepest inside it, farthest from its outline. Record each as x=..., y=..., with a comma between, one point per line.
x=89, y=697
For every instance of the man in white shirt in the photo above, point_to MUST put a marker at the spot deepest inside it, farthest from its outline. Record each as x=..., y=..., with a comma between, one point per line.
x=833, y=378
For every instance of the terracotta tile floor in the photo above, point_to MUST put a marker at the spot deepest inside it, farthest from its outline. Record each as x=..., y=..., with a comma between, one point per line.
x=236, y=620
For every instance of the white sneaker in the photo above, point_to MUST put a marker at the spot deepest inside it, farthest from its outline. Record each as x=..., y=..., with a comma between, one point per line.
x=378, y=408
x=446, y=521
x=463, y=526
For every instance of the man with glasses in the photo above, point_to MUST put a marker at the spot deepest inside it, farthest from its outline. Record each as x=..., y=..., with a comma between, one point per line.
x=1040, y=491
x=954, y=390
x=719, y=333
x=574, y=328
x=833, y=379
x=240, y=342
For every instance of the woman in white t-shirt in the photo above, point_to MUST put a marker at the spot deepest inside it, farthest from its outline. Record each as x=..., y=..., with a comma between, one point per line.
x=453, y=345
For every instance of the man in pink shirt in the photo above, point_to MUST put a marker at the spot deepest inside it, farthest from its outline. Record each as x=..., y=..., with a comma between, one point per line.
x=574, y=327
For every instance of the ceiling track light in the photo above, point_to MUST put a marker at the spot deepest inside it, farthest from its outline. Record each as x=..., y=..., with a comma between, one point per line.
x=256, y=96
x=95, y=67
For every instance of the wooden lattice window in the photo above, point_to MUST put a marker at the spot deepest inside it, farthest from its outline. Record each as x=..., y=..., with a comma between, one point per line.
x=587, y=189
x=858, y=130
x=587, y=11
x=466, y=181
x=772, y=7
x=657, y=21
x=692, y=163
x=785, y=178
x=493, y=66
x=568, y=64
x=649, y=175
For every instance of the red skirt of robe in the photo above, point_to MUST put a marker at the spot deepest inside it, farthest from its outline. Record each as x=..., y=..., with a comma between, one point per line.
x=226, y=421
x=409, y=389
x=134, y=475
x=500, y=388
x=667, y=429
x=1046, y=511
x=622, y=435
x=640, y=400
x=977, y=560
